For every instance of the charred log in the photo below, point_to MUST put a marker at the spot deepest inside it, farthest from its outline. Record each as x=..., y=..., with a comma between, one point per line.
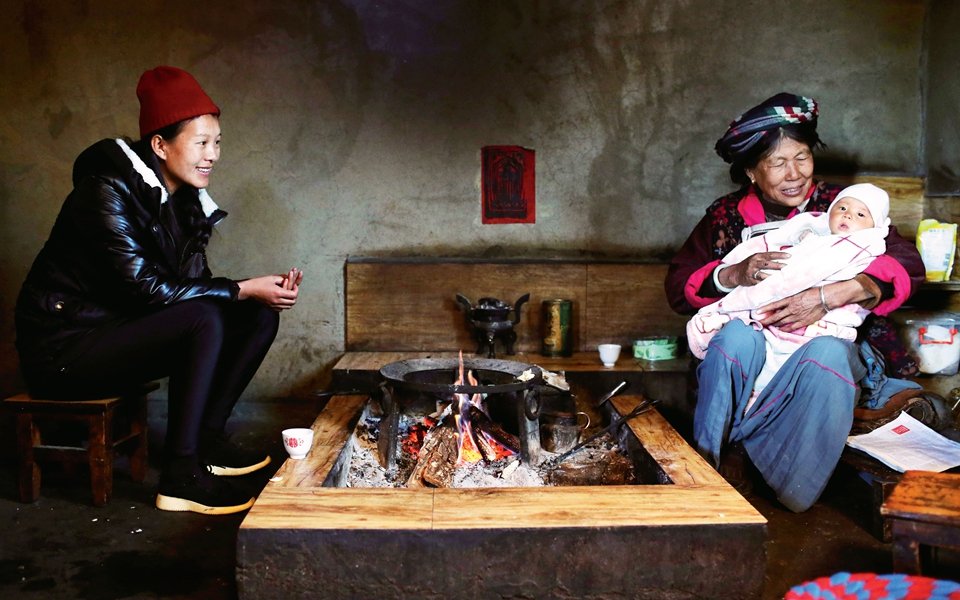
x=611, y=469
x=482, y=422
x=486, y=450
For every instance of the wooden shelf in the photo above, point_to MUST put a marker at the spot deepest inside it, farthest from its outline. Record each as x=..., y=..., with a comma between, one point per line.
x=580, y=362
x=941, y=286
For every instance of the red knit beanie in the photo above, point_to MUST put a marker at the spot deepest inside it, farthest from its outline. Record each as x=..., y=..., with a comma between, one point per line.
x=169, y=95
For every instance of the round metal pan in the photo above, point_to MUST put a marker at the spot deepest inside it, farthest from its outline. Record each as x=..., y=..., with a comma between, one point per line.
x=438, y=375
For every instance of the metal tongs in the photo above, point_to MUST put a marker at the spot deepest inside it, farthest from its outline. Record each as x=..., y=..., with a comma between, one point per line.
x=611, y=393
x=642, y=407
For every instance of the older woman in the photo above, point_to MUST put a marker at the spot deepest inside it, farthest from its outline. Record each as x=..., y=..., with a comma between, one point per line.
x=795, y=430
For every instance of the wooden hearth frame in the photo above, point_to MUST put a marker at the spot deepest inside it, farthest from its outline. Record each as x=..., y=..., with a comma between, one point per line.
x=693, y=536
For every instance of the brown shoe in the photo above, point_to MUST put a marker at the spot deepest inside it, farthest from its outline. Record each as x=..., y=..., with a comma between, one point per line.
x=927, y=407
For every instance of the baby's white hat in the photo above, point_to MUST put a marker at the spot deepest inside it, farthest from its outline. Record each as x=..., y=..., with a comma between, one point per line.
x=876, y=200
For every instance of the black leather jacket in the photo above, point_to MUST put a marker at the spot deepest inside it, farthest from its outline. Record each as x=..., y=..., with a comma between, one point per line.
x=112, y=255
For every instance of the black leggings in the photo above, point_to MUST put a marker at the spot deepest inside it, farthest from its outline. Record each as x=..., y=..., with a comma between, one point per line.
x=209, y=349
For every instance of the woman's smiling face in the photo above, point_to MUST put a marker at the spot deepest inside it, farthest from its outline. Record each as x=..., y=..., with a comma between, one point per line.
x=189, y=157
x=785, y=174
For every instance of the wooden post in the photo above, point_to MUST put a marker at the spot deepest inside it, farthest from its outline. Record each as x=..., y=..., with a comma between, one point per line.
x=529, y=428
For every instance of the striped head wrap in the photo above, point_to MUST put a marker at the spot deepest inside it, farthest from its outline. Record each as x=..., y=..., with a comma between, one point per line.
x=752, y=126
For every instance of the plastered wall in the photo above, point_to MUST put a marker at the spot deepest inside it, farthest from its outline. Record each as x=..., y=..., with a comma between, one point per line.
x=354, y=127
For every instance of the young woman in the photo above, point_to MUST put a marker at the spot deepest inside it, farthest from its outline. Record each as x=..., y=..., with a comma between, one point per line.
x=121, y=293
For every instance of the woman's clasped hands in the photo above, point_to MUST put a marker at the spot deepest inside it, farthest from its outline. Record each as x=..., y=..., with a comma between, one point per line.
x=279, y=292
x=791, y=313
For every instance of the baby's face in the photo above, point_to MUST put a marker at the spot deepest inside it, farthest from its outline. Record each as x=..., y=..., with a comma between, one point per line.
x=849, y=215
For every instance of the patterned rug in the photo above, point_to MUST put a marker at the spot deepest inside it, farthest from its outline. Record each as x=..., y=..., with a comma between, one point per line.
x=869, y=586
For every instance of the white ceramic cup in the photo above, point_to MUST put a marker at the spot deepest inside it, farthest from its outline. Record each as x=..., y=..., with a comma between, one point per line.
x=609, y=353
x=297, y=441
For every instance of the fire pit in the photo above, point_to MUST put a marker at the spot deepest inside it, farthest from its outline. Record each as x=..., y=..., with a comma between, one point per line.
x=692, y=536
x=446, y=422
x=514, y=381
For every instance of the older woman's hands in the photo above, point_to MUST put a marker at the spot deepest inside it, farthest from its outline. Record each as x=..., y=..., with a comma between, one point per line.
x=794, y=312
x=806, y=307
x=279, y=292
x=752, y=270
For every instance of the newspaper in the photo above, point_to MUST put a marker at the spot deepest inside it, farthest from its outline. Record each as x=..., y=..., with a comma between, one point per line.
x=906, y=444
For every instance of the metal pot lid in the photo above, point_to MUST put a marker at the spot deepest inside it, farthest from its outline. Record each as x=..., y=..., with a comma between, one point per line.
x=438, y=374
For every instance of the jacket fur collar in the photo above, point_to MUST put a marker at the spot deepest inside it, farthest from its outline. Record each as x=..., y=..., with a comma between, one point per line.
x=150, y=178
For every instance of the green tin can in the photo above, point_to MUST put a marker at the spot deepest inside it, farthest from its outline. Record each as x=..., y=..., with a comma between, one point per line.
x=557, y=330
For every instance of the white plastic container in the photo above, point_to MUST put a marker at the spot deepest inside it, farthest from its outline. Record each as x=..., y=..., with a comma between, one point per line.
x=935, y=342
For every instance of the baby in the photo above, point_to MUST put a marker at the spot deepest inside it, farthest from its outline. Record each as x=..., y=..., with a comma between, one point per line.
x=823, y=247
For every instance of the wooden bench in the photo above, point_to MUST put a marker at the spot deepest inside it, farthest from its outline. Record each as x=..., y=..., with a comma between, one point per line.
x=110, y=423
x=396, y=308
x=924, y=512
x=390, y=306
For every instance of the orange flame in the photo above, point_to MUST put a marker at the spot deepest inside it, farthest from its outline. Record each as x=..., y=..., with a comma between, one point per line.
x=467, y=451
x=500, y=451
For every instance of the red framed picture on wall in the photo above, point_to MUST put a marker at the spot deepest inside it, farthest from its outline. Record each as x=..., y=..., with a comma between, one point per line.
x=507, y=184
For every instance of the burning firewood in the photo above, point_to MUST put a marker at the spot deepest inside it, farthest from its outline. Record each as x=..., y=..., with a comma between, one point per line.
x=442, y=461
x=437, y=459
x=484, y=447
x=463, y=434
x=483, y=423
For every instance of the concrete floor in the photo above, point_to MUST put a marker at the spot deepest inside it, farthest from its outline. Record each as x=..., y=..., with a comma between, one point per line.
x=62, y=547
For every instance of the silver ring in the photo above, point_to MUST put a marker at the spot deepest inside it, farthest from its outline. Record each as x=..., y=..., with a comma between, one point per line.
x=756, y=275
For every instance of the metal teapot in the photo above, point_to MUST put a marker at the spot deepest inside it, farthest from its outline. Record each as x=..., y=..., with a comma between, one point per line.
x=490, y=319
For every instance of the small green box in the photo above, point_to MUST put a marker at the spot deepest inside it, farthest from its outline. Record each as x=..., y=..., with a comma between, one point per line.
x=661, y=347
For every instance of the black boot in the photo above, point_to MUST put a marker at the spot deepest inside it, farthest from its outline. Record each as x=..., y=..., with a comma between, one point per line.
x=226, y=458
x=736, y=468
x=186, y=485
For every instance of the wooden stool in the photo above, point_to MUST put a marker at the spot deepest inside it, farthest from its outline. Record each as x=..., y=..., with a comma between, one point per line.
x=924, y=510
x=110, y=422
